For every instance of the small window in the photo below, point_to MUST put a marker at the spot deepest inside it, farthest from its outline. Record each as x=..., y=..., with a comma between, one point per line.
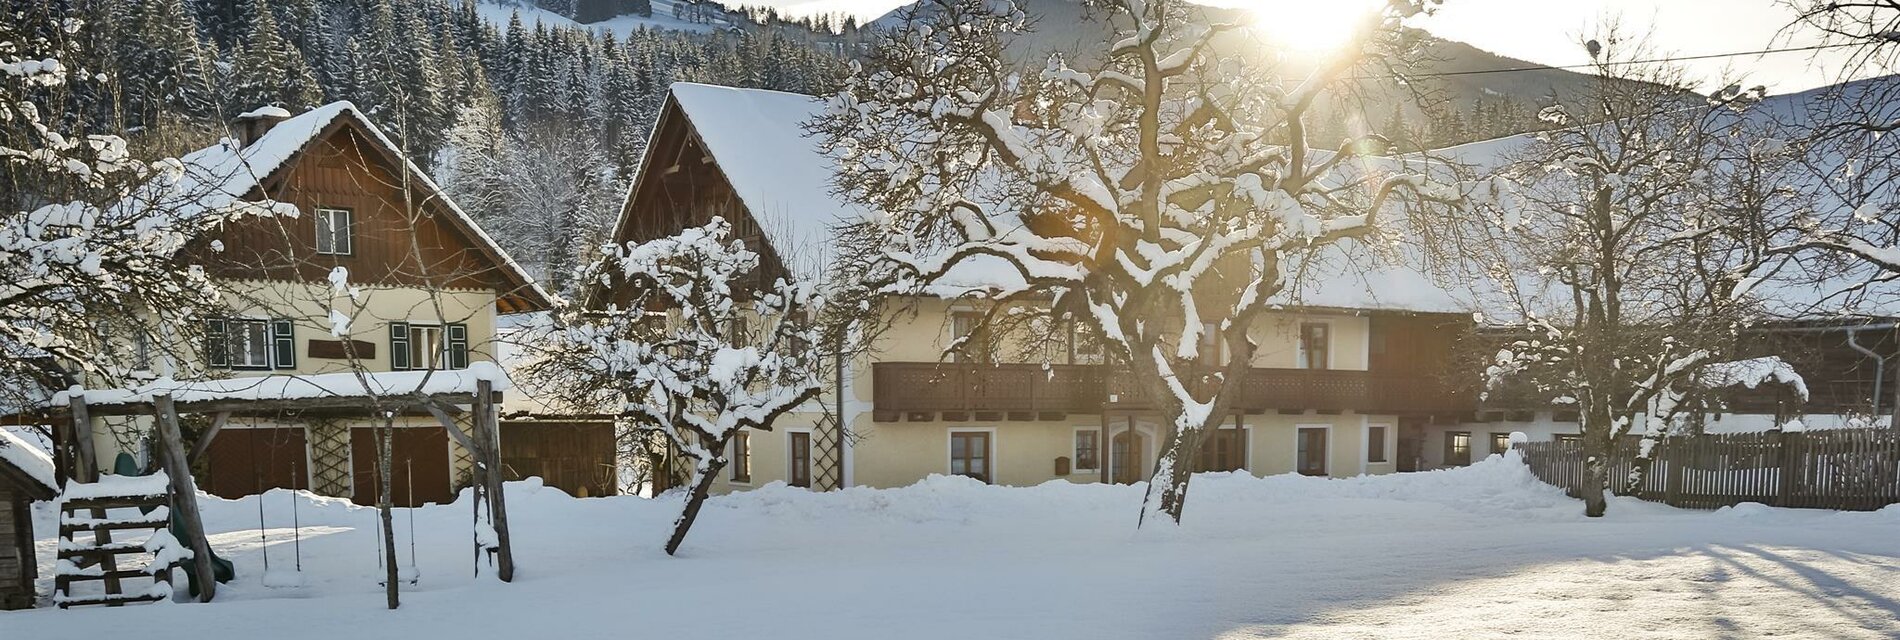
x=1083, y=347
x=970, y=454
x=1311, y=451
x=1088, y=447
x=1569, y=438
x=800, y=472
x=1500, y=442
x=1457, y=448
x=1209, y=351
x=1223, y=450
x=968, y=327
x=248, y=343
x=1564, y=416
x=741, y=456
x=333, y=231
x=1375, y=444
x=1315, y=346
x=426, y=347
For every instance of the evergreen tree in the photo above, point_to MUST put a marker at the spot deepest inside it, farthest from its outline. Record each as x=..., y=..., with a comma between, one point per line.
x=164, y=68
x=268, y=70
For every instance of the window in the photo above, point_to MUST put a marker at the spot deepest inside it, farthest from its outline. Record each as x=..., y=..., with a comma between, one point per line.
x=1083, y=347
x=1500, y=442
x=1375, y=443
x=1223, y=450
x=1315, y=346
x=1088, y=447
x=1457, y=448
x=1209, y=351
x=799, y=474
x=1311, y=452
x=970, y=454
x=247, y=344
x=1570, y=438
x=968, y=327
x=741, y=456
x=428, y=346
x=333, y=231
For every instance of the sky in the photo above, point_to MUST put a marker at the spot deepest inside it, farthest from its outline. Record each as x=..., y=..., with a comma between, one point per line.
x=1547, y=31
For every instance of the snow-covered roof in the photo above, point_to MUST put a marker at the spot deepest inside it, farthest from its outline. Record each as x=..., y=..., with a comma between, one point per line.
x=757, y=139
x=224, y=175
x=294, y=387
x=266, y=111
x=29, y=459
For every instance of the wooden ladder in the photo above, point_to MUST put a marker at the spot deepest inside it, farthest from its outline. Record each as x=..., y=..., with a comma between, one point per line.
x=101, y=511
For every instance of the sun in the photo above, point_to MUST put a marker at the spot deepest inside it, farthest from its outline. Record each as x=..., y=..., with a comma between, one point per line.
x=1309, y=26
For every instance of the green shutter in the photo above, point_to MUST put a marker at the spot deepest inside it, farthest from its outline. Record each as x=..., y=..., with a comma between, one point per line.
x=398, y=346
x=217, y=346
x=458, y=345
x=283, y=336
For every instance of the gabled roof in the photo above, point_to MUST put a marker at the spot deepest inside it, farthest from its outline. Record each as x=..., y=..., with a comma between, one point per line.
x=224, y=174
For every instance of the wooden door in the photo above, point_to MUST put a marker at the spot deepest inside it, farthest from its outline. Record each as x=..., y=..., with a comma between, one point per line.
x=1312, y=451
x=800, y=472
x=970, y=455
x=244, y=462
x=419, y=471
x=1126, y=452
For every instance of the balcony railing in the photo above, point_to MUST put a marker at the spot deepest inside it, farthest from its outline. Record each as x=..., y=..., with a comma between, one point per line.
x=899, y=387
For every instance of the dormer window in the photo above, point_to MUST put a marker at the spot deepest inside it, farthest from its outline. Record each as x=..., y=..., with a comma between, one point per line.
x=333, y=231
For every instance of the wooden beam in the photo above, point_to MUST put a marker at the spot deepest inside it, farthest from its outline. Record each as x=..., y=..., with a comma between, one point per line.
x=204, y=441
x=488, y=432
x=185, y=497
x=88, y=465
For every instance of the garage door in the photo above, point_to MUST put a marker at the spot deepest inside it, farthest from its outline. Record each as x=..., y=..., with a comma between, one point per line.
x=420, y=466
x=243, y=462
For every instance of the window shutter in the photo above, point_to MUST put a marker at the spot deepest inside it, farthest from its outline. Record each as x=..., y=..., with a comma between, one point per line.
x=398, y=346
x=217, y=345
x=283, y=335
x=458, y=345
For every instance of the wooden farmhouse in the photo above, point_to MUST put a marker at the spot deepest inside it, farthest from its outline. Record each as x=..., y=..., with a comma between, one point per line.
x=26, y=476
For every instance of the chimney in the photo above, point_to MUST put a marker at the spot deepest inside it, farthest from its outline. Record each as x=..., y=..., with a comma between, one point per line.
x=251, y=125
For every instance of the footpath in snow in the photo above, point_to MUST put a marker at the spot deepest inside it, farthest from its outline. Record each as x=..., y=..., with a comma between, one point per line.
x=1484, y=551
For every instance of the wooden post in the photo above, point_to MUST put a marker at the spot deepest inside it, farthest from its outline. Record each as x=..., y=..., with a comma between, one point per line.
x=87, y=469
x=185, y=497
x=1672, y=465
x=488, y=438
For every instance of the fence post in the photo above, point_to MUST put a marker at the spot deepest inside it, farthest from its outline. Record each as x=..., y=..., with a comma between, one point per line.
x=1670, y=463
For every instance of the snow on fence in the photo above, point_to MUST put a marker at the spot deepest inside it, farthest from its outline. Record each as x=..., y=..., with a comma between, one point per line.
x=1852, y=469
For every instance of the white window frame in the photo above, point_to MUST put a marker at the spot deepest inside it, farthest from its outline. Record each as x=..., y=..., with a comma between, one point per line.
x=1365, y=444
x=231, y=343
x=1299, y=344
x=442, y=347
x=326, y=216
x=1100, y=451
x=811, y=457
x=732, y=458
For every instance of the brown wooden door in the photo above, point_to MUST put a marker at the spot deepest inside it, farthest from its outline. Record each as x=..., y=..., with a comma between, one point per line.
x=970, y=455
x=1312, y=451
x=420, y=466
x=1126, y=451
x=800, y=475
x=577, y=458
x=243, y=462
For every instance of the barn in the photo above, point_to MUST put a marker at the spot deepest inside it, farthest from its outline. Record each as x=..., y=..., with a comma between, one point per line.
x=26, y=476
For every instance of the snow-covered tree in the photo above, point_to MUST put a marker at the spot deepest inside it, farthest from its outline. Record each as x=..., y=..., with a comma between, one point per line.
x=1630, y=255
x=91, y=239
x=1159, y=194
x=691, y=346
x=268, y=70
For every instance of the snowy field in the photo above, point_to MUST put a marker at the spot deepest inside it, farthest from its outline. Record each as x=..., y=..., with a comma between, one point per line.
x=1484, y=551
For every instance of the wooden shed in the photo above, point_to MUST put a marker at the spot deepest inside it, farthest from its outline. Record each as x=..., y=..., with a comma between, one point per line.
x=25, y=477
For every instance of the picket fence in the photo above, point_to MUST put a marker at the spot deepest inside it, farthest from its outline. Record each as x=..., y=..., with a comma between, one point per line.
x=1850, y=469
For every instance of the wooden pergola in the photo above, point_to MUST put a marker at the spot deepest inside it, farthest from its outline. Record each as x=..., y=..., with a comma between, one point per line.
x=343, y=395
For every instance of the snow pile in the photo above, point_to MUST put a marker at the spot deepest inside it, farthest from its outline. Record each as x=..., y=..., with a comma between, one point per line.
x=111, y=486
x=1753, y=372
x=28, y=459
x=279, y=387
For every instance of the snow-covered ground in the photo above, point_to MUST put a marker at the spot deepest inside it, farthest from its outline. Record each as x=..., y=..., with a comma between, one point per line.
x=1483, y=551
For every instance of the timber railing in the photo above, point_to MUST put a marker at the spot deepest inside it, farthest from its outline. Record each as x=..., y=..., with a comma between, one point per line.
x=1851, y=469
x=933, y=386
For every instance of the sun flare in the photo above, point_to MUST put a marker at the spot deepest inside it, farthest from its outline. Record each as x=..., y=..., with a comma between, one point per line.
x=1309, y=26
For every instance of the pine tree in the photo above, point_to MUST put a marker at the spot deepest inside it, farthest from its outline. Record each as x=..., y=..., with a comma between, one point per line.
x=268, y=70
x=164, y=69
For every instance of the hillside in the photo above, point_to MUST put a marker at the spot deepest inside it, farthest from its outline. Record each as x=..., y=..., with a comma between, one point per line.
x=499, y=12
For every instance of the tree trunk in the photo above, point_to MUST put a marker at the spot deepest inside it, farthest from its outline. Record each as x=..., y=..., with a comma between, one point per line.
x=1596, y=458
x=384, y=464
x=694, y=499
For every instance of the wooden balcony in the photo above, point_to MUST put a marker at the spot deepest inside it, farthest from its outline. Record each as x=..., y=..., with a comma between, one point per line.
x=1031, y=389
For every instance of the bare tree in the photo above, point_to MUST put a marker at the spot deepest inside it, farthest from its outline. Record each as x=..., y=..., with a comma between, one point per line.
x=1157, y=197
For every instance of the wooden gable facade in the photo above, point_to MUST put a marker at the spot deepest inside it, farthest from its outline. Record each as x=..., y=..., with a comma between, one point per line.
x=403, y=231
x=18, y=566
x=680, y=185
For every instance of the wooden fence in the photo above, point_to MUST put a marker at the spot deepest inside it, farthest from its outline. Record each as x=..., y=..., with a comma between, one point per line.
x=1853, y=469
